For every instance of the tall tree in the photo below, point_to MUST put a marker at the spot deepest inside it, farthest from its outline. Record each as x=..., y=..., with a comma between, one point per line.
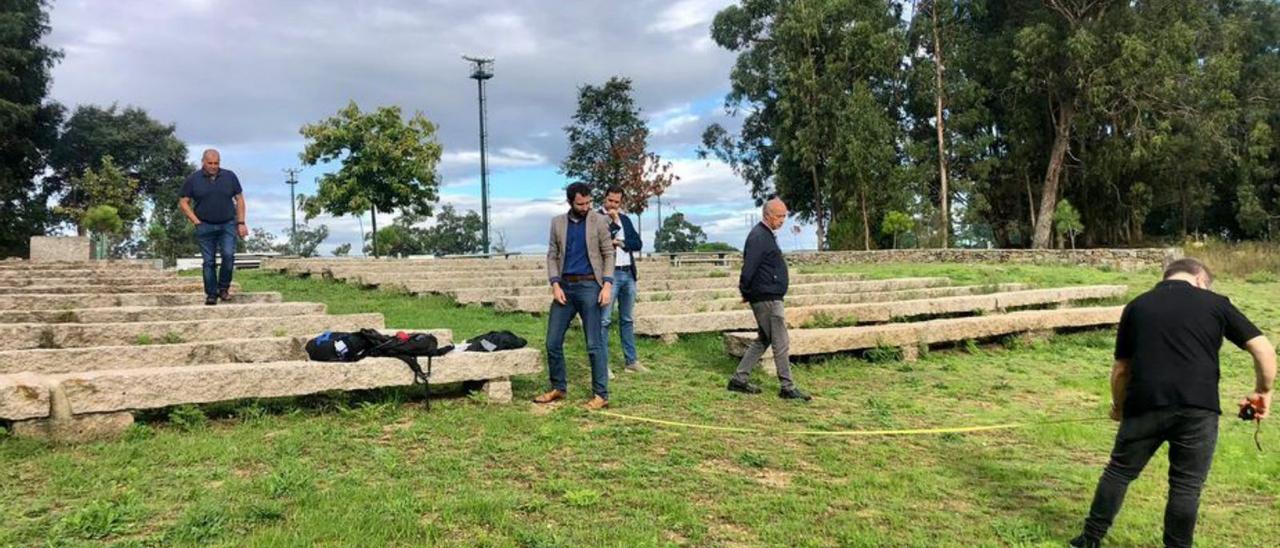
x=803, y=66
x=28, y=121
x=608, y=145
x=388, y=163
x=678, y=235
x=105, y=186
x=644, y=175
x=454, y=233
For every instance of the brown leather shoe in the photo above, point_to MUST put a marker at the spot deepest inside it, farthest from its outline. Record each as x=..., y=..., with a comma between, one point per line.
x=549, y=397
x=597, y=403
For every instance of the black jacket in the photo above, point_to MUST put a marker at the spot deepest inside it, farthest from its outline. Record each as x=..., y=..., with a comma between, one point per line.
x=764, y=273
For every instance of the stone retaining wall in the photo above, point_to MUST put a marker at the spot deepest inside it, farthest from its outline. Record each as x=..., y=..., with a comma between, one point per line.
x=1119, y=259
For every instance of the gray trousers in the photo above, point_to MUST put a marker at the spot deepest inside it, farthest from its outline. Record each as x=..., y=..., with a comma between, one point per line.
x=771, y=322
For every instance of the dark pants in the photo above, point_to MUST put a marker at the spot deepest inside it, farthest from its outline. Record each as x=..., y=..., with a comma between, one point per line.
x=217, y=238
x=1192, y=434
x=771, y=331
x=582, y=299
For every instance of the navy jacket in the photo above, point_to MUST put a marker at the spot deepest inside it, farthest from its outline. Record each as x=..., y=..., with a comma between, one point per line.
x=631, y=241
x=764, y=273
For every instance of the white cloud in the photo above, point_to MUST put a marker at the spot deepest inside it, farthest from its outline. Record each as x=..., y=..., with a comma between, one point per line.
x=670, y=121
x=504, y=157
x=687, y=14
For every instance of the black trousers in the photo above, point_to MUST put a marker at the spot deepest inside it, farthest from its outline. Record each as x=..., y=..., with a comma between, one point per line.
x=1192, y=434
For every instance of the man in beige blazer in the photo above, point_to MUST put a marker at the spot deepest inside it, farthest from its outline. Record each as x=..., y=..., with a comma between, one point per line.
x=580, y=268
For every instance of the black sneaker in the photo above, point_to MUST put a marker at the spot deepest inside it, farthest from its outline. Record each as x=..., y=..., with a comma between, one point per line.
x=1083, y=541
x=210, y=301
x=736, y=385
x=224, y=294
x=793, y=394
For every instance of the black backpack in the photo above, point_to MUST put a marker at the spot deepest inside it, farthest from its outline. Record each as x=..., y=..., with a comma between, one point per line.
x=495, y=341
x=406, y=347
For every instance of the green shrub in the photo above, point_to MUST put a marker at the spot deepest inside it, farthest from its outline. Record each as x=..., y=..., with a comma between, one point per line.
x=188, y=418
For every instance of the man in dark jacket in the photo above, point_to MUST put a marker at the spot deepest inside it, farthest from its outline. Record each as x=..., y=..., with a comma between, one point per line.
x=626, y=243
x=1164, y=388
x=763, y=283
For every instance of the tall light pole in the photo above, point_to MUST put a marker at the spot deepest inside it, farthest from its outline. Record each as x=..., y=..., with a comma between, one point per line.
x=481, y=70
x=293, y=209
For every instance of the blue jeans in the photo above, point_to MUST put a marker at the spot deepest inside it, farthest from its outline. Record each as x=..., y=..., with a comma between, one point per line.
x=220, y=238
x=624, y=296
x=581, y=299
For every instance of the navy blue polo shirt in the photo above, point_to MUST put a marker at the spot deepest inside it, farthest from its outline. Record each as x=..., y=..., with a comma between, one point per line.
x=212, y=195
x=575, y=248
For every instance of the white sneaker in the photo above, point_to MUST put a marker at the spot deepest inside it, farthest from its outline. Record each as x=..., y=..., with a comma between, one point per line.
x=610, y=373
x=637, y=368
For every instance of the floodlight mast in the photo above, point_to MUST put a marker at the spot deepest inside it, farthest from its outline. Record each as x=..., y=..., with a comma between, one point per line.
x=482, y=70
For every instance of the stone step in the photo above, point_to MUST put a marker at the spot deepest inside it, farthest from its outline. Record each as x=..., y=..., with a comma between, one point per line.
x=688, y=302
x=76, y=265
x=646, y=284
x=717, y=305
x=160, y=313
x=163, y=287
x=99, y=358
x=98, y=300
x=702, y=301
x=20, y=336
x=661, y=325
x=83, y=274
x=828, y=288
x=681, y=289
x=908, y=336
x=50, y=405
x=112, y=280
x=439, y=282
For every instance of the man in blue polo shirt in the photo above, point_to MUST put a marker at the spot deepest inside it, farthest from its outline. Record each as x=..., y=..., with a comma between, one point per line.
x=213, y=201
x=580, y=269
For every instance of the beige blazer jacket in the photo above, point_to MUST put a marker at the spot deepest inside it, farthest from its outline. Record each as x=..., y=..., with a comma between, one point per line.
x=599, y=247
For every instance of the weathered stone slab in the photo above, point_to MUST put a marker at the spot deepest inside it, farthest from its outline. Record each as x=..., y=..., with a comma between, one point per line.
x=717, y=305
x=98, y=300
x=23, y=396
x=82, y=274
x=656, y=325
x=10, y=265
x=20, y=336
x=843, y=339
x=99, y=358
x=828, y=288
x=157, y=314
x=79, y=429
x=129, y=389
x=161, y=287
x=59, y=248
x=110, y=279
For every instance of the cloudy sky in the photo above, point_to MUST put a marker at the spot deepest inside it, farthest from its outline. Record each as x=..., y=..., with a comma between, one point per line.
x=243, y=76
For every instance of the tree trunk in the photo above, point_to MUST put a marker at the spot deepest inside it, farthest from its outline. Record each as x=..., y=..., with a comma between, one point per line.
x=1049, y=196
x=817, y=207
x=373, y=212
x=866, y=223
x=942, y=142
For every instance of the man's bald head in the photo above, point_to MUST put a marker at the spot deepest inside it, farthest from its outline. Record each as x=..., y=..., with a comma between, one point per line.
x=211, y=161
x=774, y=213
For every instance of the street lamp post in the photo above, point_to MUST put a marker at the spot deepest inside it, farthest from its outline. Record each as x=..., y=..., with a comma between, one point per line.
x=482, y=70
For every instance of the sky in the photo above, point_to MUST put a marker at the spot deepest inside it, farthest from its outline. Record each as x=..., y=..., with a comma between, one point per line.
x=244, y=76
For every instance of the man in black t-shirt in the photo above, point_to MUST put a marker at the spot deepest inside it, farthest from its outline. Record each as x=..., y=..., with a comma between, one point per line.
x=218, y=215
x=1164, y=388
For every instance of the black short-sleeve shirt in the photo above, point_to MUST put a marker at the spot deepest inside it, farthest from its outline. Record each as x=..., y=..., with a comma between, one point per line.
x=1171, y=336
x=212, y=195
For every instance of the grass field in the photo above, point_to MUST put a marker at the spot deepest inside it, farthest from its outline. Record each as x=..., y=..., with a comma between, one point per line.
x=378, y=469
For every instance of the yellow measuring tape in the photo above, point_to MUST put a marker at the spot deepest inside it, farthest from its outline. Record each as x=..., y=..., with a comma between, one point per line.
x=845, y=433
